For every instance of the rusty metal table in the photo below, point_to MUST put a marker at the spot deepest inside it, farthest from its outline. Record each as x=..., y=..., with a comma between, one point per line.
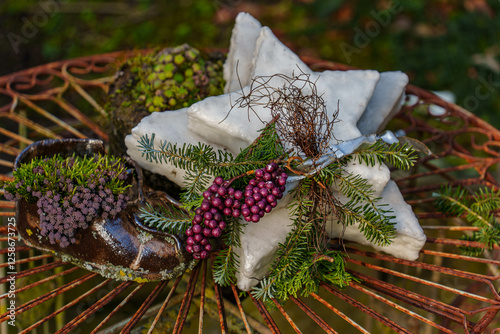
x=441, y=292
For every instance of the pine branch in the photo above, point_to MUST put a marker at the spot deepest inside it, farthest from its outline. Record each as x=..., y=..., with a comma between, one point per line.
x=456, y=203
x=401, y=156
x=225, y=267
x=374, y=219
x=478, y=210
x=374, y=223
x=172, y=221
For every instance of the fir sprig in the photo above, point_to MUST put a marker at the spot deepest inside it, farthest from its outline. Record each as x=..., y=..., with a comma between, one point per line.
x=401, y=156
x=225, y=266
x=478, y=210
x=169, y=219
x=375, y=220
x=298, y=267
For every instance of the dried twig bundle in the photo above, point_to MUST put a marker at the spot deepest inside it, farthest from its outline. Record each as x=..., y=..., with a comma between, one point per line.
x=301, y=113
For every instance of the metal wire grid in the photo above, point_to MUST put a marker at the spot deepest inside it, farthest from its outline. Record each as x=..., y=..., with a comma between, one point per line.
x=442, y=292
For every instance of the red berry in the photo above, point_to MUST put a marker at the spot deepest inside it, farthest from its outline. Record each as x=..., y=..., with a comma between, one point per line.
x=216, y=201
x=222, y=191
x=212, y=224
x=249, y=201
x=219, y=180
x=216, y=232
x=259, y=173
x=228, y=202
x=271, y=167
x=257, y=196
x=197, y=229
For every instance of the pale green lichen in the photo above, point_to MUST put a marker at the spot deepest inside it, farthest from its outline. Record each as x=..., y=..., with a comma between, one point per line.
x=144, y=237
x=174, y=78
x=170, y=79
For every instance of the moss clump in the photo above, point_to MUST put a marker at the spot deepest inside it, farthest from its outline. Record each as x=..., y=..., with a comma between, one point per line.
x=170, y=79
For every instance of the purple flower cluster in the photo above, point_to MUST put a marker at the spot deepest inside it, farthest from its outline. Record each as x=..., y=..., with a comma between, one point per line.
x=71, y=204
x=219, y=200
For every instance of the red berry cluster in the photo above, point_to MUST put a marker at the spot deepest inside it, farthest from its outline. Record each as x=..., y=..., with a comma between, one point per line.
x=263, y=192
x=220, y=200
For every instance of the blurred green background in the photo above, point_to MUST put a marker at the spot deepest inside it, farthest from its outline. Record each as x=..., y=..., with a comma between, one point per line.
x=441, y=44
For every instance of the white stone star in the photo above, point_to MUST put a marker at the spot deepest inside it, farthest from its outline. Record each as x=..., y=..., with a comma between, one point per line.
x=366, y=100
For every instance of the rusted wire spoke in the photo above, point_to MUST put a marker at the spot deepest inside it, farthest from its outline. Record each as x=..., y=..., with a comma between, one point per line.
x=4, y=239
x=39, y=300
x=266, y=315
x=80, y=116
x=414, y=299
x=118, y=307
x=164, y=305
x=65, y=307
x=459, y=243
x=64, y=125
x=427, y=266
x=145, y=305
x=17, y=249
x=7, y=214
x=9, y=150
x=44, y=280
x=94, y=308
x=33, y=271
x=7, y=205
x=339, y=313
x=419, y=280
x=369, y=311
x=287, y=316
x=240, y=307
x=484, y=322
x=220, y=308
x=202, y=297
x=313, y=315
x=186, y=301
x=460, y=257
x=404, y=310
x=43, y=131
x=15, y=136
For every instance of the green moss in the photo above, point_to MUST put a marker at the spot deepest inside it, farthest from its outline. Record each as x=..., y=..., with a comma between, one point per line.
x=169, y=79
